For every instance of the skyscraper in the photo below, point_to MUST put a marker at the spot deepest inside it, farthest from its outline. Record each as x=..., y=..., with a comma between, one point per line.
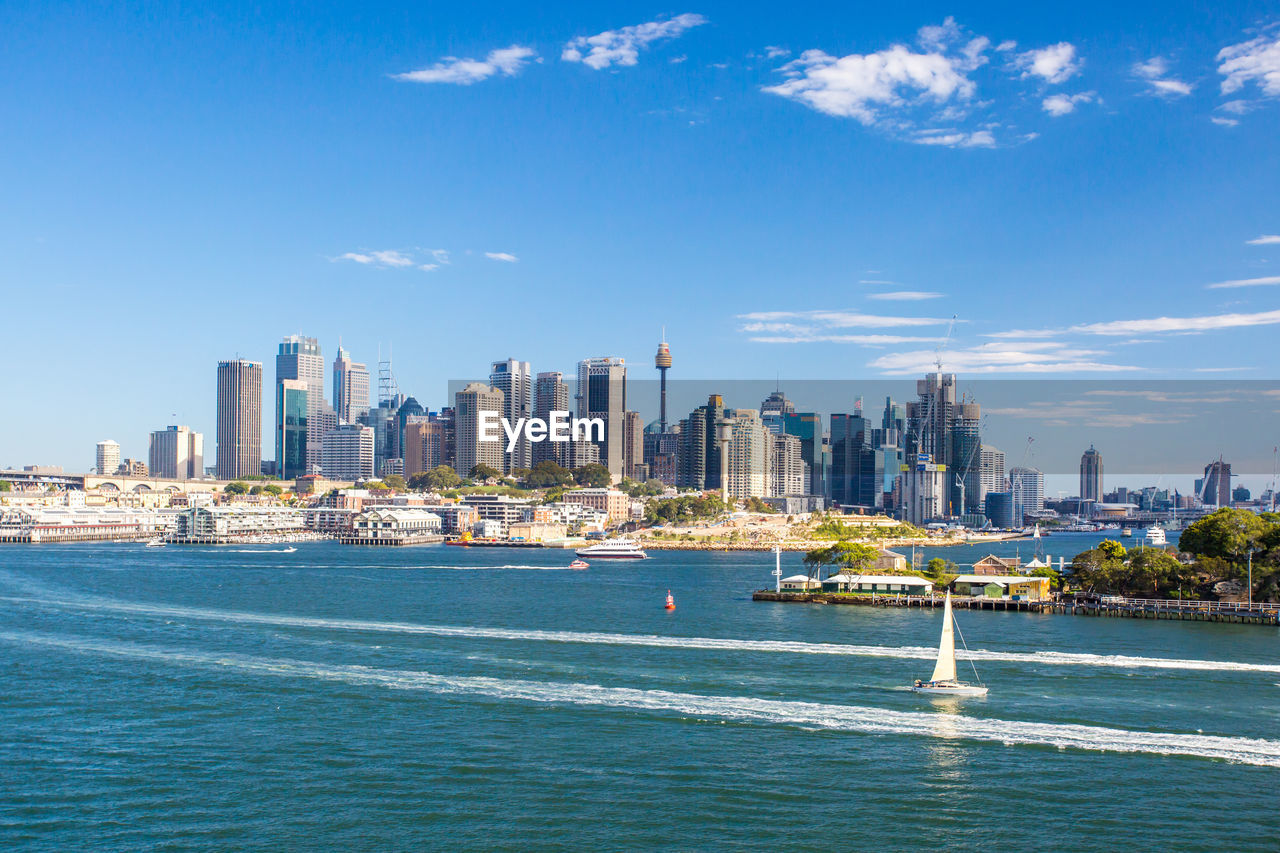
x=471, y=451
x=239, y=451
x=550, y=394
x=108, y=457
x=1216, y=489
x=633, y=464
x=602, y=393
x=947, y=430
x=291, y=428
x=515, y=380
x=350, y=388
x=787, y=475
x=748, y=459
x=991, y=470
x=298, y=358
x=807, y=426
x=662, y=361
x=346, y=453
x=772, y=410
x=1027, y=486
x=1091, y=475
x=176, y=453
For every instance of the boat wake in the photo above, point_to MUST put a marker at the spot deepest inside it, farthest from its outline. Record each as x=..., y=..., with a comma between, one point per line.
x=745, y=709
x=650, y=640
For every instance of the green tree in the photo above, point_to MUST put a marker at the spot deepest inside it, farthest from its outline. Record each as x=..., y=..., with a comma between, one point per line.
x=1227, y=533
x=1098, y=569
x=594, y=475
x=1112, y=549
x=547, y=474
x=235, y=488
x=6, y=486
x=484, y=472
x=437, y=479
x=842, y=556
x=395, y=481
x=273, y=489
x=1152, y=570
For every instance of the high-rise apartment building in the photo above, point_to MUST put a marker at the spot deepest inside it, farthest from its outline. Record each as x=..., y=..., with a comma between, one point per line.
x=298, y=358
x=471, y=451
x=346, y=453
x=1027, y=486
x=991, y=469
x=700, y=463
x=176, y=453
x=108, y=457
x=633, y=463
x=602, y=393
x=350, y=388
x=239, y=452
x=787, y=475
x=292, y=428
x=515, y=380
x=807, y=426
x=750, y=447
x=1091, y=475
x=424, y=446
x=550, y=394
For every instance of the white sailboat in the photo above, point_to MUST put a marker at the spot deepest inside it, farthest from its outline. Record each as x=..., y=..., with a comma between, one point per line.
x=943, y=681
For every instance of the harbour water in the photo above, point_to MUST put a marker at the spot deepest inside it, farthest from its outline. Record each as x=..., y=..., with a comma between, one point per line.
x=437, y=698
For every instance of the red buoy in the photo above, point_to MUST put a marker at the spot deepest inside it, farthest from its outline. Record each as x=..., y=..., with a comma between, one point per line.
x=671, y=602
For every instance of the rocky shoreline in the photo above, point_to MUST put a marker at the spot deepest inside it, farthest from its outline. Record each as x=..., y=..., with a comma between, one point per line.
x=812, y=544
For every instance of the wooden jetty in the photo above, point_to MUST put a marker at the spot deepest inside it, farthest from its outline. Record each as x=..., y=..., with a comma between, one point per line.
x=1258, y=613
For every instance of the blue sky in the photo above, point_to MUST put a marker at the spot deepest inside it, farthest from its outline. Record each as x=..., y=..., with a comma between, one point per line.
x=811, y=194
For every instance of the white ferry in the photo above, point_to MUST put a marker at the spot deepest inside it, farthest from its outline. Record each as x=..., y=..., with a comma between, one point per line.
x=1155, y=535
x=614, y=549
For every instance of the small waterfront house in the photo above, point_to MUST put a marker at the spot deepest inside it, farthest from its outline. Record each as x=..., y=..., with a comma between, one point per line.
x=890, y=561
x=801, y=583
x=886, y=584
x=1006, y=587
x=993, y=565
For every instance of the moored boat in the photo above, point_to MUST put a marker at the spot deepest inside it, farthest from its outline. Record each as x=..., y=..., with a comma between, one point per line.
x=614, y=549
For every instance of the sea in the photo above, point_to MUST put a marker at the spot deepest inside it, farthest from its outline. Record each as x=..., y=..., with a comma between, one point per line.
x=443, y=698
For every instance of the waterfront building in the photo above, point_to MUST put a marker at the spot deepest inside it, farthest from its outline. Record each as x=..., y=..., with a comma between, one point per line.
x=993, y=565
x=212, y=525
x=1005, y=588
x=475, y=398
x=882, y=584
x=615, y=504
x=36, y=524
x=1091, y=475
x=239, y=451
x=502, y=510
x=550, y=394
x=176, y=453
x=991, y=470
x=394, y=526
x=515, y=380
x=108, y=457
x=346, y=453
x=298, y=359
x=350, y=388
x=1027, y=487
x=999, y=509
x=291, y=428
x=602, y=393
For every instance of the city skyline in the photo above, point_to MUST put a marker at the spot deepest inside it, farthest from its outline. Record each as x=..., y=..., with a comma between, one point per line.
x=1088, y=250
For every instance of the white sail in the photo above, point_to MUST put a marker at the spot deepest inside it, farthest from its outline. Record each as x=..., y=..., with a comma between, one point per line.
x=945, y=670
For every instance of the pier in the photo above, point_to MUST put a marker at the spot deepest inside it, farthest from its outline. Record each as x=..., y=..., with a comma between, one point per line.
x=1259, y=613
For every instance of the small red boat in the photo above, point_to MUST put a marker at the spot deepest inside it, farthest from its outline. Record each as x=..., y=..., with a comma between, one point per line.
x=579, y=564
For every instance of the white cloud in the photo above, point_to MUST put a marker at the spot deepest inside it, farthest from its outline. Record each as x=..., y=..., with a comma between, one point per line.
x=1238, y=107
x=1247, y=282
x=1255, y=61
x=1002, y=357
x=1007, y=45
x=1264, y=240
x=623, y=46
x=1056, y=63
x=440, y=256
x=859, y=340
x=864, y=86
x=976, y=139
x=773, y=52
x=875, y=281
x=1154, y=325
x=842, y=319
x=1060, y=105
x=905, y=295
x=1225, y=122
x=388, y=258
x=507, y=61
x=501, y=256
x=1155, y=72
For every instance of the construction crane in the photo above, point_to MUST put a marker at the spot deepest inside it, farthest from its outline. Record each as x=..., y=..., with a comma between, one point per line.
x=937, y=354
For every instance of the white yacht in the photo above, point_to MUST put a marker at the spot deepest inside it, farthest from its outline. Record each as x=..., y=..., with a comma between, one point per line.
x=943, y=681
x=614, y=549
x=1155, y=535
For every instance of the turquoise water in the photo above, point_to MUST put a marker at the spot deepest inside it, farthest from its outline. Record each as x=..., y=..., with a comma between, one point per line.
x=442, y=699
